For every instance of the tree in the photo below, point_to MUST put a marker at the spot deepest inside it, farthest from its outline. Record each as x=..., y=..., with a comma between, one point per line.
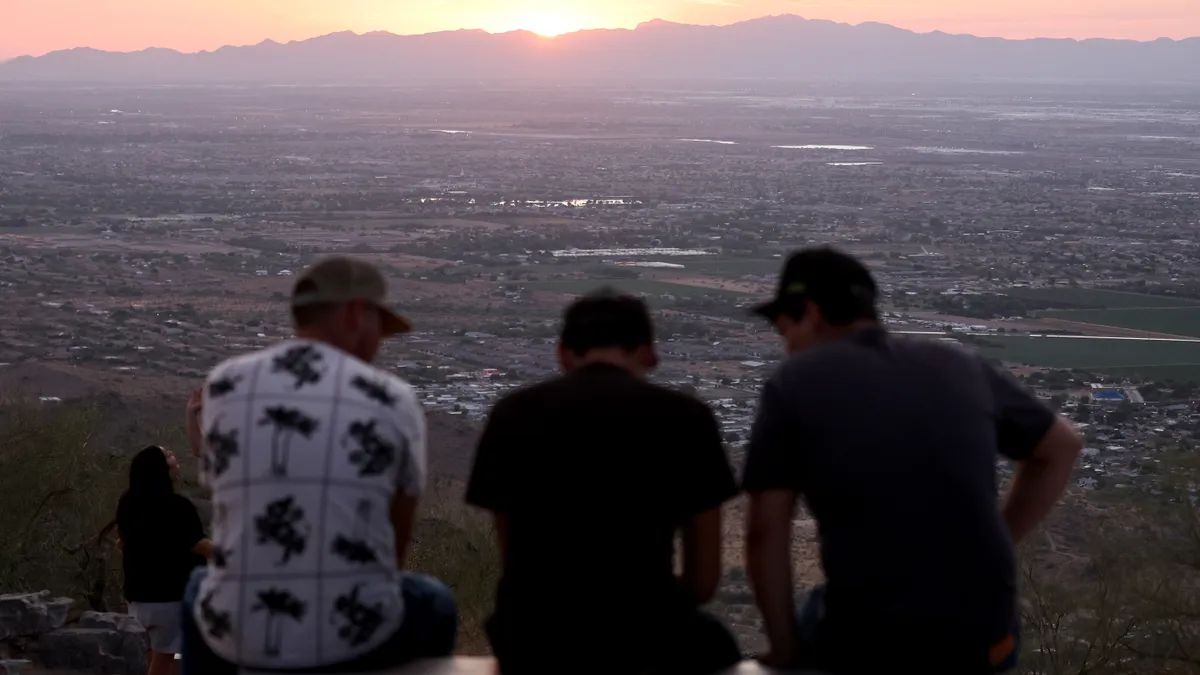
x=283, y=524
x=288, y=422
x=279, y=604
x=360, y=620
x=373, y=454
x=1126, y=599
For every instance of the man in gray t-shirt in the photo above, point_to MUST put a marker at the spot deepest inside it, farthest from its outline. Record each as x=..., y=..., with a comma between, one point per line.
x=892, y=443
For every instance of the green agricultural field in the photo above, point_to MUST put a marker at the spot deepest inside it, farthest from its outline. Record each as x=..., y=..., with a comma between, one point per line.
x=1099, y=298
x=734, y=267
x=1184, y=321
x=1131, y=358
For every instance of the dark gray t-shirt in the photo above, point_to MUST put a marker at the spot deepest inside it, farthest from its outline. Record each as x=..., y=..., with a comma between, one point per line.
x=893, y=444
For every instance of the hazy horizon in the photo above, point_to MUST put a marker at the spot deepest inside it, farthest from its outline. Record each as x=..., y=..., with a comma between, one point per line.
x=36, y=28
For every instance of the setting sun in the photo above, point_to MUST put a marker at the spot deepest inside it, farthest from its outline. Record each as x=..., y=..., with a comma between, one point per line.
x=547, y=24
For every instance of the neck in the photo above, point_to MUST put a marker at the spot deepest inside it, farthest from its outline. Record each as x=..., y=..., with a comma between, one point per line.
x=840, y=332
x=612, y=357
x=317, y=334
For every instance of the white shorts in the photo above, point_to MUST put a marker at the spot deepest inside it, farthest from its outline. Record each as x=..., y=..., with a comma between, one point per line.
x=162, y=622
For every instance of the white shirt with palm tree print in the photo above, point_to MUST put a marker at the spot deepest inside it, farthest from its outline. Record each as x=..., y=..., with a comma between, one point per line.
x=305, y=447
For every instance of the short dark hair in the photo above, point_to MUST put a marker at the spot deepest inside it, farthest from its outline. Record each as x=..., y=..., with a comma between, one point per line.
x=606, y=318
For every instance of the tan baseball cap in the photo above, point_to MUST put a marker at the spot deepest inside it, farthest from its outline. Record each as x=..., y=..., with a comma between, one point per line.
x=339, y=279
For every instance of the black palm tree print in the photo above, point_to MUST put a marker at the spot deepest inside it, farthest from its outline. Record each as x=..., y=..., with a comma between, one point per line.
x=360, y=621
x=220, y=557
x=223, y=386
x=356, y=549
x=279, y=604
x=376, y=391
x=222, y=446
x=288, y=422
x=373, y=454
x=218, y=623
x=301, y=363
x=283, y=524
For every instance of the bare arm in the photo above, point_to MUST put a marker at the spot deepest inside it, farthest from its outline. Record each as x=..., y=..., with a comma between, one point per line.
x=195, y=437
x=203, y=547
x=769, y=566
x=1042, y=479
x=702, y=555
x=500, y=522
x=403, y=516
x=493, y=481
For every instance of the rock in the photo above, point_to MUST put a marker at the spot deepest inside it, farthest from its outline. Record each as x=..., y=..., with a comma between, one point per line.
x=13, y=666
x=111, y=621
x=31, y=614
x=96, y=650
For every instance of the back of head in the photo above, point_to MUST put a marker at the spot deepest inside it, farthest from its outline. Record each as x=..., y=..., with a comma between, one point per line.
x=606, y=319
x=150, y=475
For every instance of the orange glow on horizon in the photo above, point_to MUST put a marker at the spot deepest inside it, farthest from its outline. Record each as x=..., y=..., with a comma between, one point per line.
x=38, y=26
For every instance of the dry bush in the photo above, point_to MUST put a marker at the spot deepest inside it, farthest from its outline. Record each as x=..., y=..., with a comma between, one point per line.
x=1127, y=602
x=56, y=493
x=456, y=544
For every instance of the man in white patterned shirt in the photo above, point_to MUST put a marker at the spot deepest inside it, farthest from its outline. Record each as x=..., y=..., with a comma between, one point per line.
x=316, y=461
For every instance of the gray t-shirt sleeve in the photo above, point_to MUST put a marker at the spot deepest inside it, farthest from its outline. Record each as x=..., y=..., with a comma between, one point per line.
x=1022, y=420
x=774, y=451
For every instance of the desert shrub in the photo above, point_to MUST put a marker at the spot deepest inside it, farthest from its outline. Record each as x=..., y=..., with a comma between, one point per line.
x=1126, y=598
x=56, y=493
x=456, y=545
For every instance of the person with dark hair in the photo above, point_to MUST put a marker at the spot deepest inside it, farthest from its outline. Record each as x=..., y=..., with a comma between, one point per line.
x=162, y=540
x=893, y=445
x=589, y=477
x=317, y=462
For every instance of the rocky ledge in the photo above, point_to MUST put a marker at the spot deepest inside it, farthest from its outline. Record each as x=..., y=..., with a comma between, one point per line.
x=36, y=631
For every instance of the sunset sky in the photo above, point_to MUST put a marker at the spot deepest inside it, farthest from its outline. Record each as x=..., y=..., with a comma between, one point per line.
x=38, y=26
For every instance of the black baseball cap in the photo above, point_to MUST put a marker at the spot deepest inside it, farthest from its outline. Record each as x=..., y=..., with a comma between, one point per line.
x=835, y=281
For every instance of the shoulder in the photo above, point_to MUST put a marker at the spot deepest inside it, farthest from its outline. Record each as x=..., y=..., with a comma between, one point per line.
x=238, y=367
x=375, y=386
x=183, y=504
x=677, y=401
x=674, y=405
x=527, y=399
x=811, y=365
x=123, y=510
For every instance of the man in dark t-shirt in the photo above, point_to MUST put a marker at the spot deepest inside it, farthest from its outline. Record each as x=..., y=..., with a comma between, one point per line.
x=589, y=477
x=893, y=444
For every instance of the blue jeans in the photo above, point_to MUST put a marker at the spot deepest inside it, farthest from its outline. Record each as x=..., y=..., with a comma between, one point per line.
x=429, y=631
x=810, y=616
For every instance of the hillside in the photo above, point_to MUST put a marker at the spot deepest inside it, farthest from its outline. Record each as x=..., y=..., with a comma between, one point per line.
x=783, y=47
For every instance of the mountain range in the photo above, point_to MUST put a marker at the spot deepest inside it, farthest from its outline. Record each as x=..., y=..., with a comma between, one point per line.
x=782, y=47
